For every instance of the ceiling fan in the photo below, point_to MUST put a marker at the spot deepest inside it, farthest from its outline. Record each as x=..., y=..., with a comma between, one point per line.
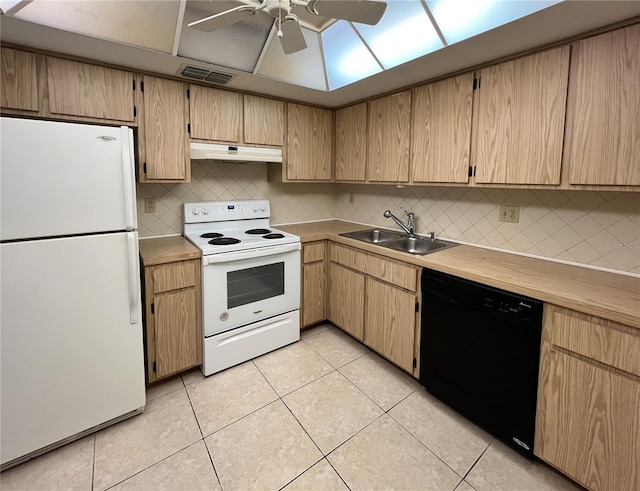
x=289, y=31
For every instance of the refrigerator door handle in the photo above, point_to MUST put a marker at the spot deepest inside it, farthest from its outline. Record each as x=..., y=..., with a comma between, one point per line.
x=134, y=282
x=128, y=161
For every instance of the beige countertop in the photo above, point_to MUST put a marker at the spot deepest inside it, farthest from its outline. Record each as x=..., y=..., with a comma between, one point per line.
x=163, y=250
x=611, y=296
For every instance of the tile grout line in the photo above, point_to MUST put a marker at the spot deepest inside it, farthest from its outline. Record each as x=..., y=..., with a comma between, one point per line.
x=477, y=460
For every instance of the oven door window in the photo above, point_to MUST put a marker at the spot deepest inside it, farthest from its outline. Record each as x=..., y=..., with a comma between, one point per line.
x=250, y=285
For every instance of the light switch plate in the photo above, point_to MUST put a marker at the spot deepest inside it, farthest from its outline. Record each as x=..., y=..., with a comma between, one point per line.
x=509, y=213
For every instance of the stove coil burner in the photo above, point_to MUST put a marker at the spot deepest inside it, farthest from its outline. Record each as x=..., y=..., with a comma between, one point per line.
x=224, y=241
x=273, y=236
x=211, y=235
x=257, y=231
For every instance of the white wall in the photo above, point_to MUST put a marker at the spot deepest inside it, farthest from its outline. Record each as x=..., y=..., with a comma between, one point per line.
x=587, y=227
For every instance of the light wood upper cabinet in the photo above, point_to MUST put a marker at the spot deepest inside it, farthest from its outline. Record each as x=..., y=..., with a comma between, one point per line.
x=521, y=112
x=172, y=318
x=309, y=146
x=92, y=91
x=441, y=130
x=216, y=115
x=390, y=321
x=388, y=136
x=603, y=110
x=19, y=80
x=263, y=121
x=163, y=139
x=351, y=143
x=588, y=422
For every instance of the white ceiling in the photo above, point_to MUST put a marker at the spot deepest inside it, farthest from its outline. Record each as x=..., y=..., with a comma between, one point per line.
x=152, y=39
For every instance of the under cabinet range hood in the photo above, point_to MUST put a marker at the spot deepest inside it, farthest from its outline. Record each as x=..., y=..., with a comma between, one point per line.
x=234, y=153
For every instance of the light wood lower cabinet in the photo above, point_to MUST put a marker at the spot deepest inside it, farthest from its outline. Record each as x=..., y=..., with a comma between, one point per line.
x=346, y=299
x=172, y=318
x=374, y=299
x=390, y=322
x=314, y=280
x=588, y=420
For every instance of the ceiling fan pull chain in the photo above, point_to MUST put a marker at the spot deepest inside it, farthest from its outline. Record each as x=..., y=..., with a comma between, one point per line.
x=280, y=23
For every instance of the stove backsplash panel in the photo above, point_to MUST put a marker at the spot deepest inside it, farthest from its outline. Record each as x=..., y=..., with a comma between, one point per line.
x=595, y=228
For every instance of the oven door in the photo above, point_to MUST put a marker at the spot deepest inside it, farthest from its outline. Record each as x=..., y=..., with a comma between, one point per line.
x=242, y=287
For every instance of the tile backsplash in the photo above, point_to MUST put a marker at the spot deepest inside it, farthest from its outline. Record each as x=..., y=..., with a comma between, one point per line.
x=595, y=228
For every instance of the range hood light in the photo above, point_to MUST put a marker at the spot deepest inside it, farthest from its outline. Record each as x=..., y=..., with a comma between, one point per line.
x=235, y=153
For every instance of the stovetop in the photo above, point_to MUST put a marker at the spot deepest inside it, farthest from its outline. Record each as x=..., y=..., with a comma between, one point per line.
x=227, y=226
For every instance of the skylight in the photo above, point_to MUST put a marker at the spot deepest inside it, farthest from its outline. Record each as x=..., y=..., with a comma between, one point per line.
x=338, y=53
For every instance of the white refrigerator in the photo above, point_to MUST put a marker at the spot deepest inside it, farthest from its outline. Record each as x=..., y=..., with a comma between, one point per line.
x=70, y=323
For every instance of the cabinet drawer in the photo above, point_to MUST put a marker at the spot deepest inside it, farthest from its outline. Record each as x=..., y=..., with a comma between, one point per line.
x=612, y=344
x=174, y=276
x=348, y=257
x=312, y=252
x=402, y=275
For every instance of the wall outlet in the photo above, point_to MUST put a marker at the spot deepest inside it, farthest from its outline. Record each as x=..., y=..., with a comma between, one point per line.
x=149, y=205
x=509, y=213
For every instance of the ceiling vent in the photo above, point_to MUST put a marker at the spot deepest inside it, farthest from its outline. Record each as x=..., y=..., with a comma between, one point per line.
x=205, y=75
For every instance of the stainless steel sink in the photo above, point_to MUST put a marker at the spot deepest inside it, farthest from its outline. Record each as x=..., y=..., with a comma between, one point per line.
x=374, y=235
x=399, y=241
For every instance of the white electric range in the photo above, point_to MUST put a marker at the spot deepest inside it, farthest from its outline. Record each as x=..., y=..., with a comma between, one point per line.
x=250, y=280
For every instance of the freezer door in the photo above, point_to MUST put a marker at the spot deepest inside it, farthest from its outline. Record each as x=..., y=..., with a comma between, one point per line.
x=65, y=179
x=71, y=357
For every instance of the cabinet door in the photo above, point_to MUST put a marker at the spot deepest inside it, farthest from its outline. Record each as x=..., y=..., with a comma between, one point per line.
x=263, y=121
x=351, y=143
x=80, y=89
x=603, y=127
x=176, y=331
x=313, y=293
x=346, y=299
x=441, y=130
x=163, y=138
x=215, y=114
x=520, y=123
x=19, y=87
x=388, y=138
x=390, y=322
x=590, y=427
x=309, y=143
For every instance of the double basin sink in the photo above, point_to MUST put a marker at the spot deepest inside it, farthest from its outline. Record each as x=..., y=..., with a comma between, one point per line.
x=399, y=241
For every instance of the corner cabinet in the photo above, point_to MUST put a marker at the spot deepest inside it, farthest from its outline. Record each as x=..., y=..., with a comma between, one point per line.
x=163, y=138
x=602, y=132
x=521, y=113
x=588, y=416
x=309, y=143
x=314, y=290
x=375, y=300
x=172, y=306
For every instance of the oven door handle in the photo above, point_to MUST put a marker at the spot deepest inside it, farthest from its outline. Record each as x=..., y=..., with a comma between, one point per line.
x=226, y=257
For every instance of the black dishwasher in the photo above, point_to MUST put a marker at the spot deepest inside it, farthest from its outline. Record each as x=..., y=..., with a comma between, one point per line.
x=479, y=353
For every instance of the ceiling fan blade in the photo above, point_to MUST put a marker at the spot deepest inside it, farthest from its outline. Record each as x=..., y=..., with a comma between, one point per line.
x=223, y=19
x=292, y=39
x=363, y=11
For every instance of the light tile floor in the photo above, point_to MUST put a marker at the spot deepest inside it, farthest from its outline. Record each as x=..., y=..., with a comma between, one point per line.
x=325, y=413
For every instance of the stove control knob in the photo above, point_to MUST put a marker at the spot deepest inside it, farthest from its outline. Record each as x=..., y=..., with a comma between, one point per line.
x=263, y=208
x=195, y=211
x=255, y=207
x=205, y=211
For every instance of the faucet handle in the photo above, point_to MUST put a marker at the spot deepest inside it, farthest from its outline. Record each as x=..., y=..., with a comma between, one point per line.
x=408, y=213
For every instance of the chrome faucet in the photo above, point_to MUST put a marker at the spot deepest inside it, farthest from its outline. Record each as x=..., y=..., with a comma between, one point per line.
x=410, y=221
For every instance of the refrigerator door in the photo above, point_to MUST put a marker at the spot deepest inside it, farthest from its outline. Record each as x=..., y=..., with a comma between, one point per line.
x=71, y=358
x=65, y=179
